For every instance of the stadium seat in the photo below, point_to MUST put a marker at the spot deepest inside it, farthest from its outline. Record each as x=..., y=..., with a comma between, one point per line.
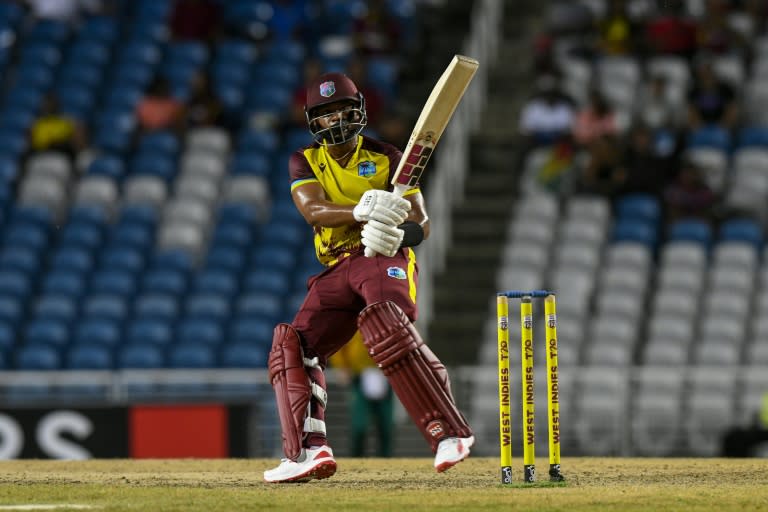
x=745, y=230
x=97, y=331
x=143, y=330
x=89, y=357
x=244, y=355
x=192, y=331
x=37, y=356
x=691, y=230
x=138, y=355
x=192, y=356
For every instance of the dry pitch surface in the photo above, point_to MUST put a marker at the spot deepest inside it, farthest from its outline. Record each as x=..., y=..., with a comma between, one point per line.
x=383, y=484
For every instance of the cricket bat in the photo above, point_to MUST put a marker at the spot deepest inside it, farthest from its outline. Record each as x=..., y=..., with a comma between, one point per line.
x=434, y=117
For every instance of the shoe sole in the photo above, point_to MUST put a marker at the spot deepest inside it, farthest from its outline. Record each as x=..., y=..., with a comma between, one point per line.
x=323, y=470
x=450, y=463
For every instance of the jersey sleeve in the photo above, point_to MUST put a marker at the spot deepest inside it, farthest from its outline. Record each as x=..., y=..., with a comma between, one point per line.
x=299, y=170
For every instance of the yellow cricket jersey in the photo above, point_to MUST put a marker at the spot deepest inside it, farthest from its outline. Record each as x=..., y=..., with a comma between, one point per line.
x=371, y=167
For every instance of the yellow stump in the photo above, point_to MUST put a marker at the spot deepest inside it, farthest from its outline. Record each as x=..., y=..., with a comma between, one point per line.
x=528, y=400
x=505, y=418
x=553, y=389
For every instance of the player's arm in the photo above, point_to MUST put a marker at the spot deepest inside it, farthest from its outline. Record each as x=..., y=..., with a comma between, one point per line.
x=317, y=210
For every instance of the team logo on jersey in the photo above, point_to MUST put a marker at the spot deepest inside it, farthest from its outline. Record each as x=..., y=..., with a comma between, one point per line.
x=397, y=273
x=366, y=169
x=327, y=89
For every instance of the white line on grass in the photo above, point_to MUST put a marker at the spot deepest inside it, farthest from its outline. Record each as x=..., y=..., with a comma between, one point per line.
x=47, y=507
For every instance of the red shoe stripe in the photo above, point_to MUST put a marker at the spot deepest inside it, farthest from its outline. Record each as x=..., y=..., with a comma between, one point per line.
x=322, y=454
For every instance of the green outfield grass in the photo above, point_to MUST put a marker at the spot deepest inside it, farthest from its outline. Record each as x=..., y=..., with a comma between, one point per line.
x=405, y=485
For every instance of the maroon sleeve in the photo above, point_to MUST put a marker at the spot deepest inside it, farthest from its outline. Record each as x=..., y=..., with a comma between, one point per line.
x=298, y=167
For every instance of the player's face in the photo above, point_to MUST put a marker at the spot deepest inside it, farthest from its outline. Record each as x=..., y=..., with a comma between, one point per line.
x=334, y=113
x=337, y=122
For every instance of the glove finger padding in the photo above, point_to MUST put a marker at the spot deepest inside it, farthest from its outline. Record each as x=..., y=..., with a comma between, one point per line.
x=382, y=238
x=392, y=217
x=378, y=201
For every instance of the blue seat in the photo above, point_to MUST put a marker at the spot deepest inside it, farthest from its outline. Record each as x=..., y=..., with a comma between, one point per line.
x=710, y=136
x=752, y=136
x=11, y=311
x=72, y=259
x=81, y=235
x=193, y=53
x=99, y=28
x=17, y=118
x=34, y=76
x=89, y=357
x=115, y=282
x=635, y=231
x=149, y=330
x=169, y=281
x=11, y=13
x=199, y=331
x=76, y=101
x=259, y=304
x=263, y=280
x=644, y=207
x=123, y=97
x=163, y=142
x=40, y=216
x=237, y=213
x=27, y=99
x=159, y=306
x=20, y=259
x=274, y=256
x=105, y=307
x=255, y=331
x=7, y=337
x=48, y=31
x=250, y=163
x=82, y=74
x=134, y=237
x=142, y=52
x=297, y=138
x=277, y=77
x=692, y=230
x=140, y=356
x=132, y=72
x=15, y=284
x=90, y=214
x=153, y=164
x=285, y=232
x=207, y=306
x=112, y=141
x=742, y=230
x=231, y=73
x=232, y=233
x=223, y=257
x=172, y=259
x=122, y=258
x=9, y=169
x=97, y=331
x=139, y=214
x=45, y=53
x=192, y=356
x=37, y=356
x=63, y=282
x=26, y=235
x=46, y=332
x=60, y=308
x=217, y=281
x=257, y=141
x=89, y=51
x=244, y=355
x=109, y=166
x=235, y=50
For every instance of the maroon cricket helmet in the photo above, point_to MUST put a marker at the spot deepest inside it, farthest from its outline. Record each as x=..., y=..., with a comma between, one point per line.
x=329, y=88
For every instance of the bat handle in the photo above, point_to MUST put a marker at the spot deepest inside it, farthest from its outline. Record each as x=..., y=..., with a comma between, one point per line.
x=400, y=191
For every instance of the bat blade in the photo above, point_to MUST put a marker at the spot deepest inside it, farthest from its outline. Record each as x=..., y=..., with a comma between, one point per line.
x=434, y=117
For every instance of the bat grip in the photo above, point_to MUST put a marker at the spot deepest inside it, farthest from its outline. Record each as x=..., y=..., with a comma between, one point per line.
x=399, y=191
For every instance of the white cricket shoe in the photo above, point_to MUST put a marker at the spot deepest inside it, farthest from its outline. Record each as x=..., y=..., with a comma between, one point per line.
x=312, y=464
x=451, y=451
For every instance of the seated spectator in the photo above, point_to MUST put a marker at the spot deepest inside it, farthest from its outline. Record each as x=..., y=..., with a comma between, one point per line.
x=595, y=120
x=548, y=116
x=53, y=130
x=710, y=99
x=671, y=32
x=203, y=106
x=616, y=31
x=714, y=34
x=642, y=169
x=195, y=19
x=689, y=195
x=601, y=173
x=159, y=110
x=657, y=104
x=377, y=32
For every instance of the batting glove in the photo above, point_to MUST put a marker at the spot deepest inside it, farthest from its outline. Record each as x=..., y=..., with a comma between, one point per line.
x=381, y=238
x=382, y=206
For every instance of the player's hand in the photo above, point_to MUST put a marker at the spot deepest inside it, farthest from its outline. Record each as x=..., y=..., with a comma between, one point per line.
x=380, y=205
x=380, y=238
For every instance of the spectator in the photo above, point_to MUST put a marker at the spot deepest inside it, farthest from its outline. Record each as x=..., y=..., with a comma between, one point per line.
x=671, y=32
x=714, y=34
x=602, y=173
x=595, y=120
x=203, y=106
x=377, y=32
x=65, y=11
x=616, y=31
x=53, y=130
x=159, y=110
x=689, y=195
x=196, y=20
x=642, y=169
x=660, y=105
x=372, y=398
x=711, y=100
x=548, y=116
